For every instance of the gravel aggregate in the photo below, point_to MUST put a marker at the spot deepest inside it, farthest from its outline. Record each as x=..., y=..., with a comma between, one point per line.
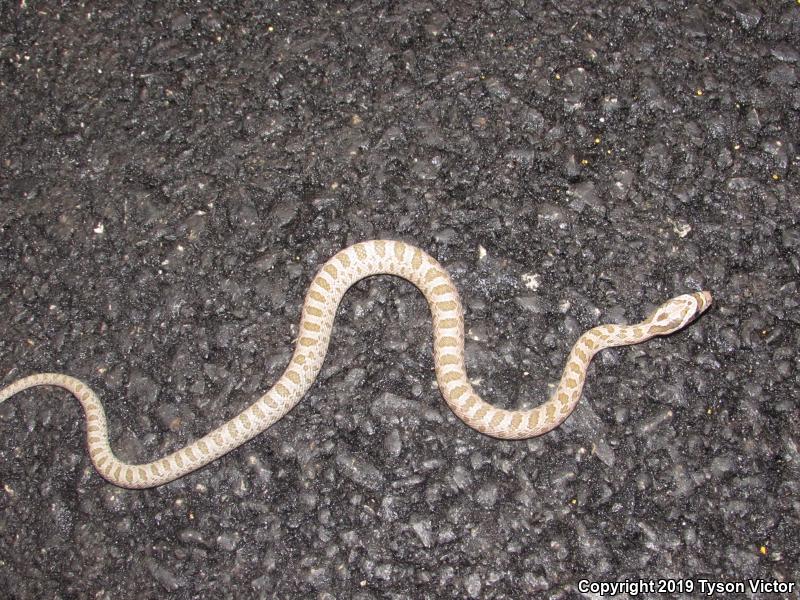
x=172, y=174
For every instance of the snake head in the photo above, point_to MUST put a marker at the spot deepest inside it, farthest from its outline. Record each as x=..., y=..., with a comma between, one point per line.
x=678, y=312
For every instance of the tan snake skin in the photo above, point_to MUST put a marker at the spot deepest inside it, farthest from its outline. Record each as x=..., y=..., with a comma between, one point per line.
x=329, y=285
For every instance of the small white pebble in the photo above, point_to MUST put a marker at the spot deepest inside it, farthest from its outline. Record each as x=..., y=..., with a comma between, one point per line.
x=681, y=228
x=532, y=281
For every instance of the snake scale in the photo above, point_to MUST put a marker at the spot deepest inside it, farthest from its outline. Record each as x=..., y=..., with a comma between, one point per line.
x=319, y=310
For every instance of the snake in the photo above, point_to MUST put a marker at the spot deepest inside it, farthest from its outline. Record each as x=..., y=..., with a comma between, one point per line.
x=319, y=309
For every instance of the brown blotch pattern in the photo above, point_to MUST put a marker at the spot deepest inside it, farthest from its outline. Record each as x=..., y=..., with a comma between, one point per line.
x=448, y=324
x=313, y=311
x=416, y=260
x=432, y=274
x=471, y=401
x=447, y=342
x=458, y=392
x=533, y=418
x=450, y=377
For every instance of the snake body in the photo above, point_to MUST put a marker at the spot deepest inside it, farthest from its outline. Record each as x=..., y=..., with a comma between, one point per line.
x=319, y=310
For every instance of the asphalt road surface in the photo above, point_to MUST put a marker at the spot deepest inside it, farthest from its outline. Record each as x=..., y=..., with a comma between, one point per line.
x=172, y=175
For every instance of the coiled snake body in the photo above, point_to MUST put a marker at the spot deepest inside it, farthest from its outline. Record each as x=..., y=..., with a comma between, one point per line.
x=319, y=309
